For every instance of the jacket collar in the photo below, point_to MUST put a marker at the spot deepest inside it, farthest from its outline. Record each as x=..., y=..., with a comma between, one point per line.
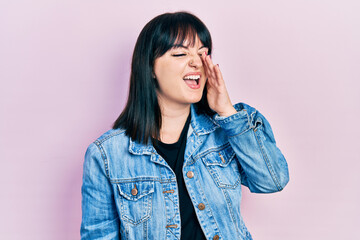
x=200, y=124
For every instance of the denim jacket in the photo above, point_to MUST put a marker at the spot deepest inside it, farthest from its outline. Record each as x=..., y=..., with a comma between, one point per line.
x=130, y=192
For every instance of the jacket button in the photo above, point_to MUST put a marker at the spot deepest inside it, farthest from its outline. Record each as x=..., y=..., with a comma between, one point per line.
x=201, y=206
x=216, y=237
x=134, y=191
x=190, y=174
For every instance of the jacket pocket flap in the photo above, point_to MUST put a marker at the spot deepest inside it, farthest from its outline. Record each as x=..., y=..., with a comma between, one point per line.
x=135, y=190
x=219, y=157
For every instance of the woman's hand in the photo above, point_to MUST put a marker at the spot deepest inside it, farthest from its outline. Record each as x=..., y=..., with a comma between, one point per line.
x=217, y=95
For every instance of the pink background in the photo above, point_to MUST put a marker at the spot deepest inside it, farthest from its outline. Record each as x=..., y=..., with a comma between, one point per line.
x=64, y=78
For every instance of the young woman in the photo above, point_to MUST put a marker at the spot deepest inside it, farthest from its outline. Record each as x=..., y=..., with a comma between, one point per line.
x=173, y=164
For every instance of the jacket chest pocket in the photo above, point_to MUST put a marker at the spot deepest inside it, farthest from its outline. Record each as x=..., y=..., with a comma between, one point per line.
x=223, y=167
x=135, y=200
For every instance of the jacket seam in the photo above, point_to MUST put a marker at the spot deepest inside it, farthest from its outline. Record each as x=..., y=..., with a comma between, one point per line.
x=168, y=229
x=130, y=180
x=104, y=157
x=207, y=203
x=100, y=141
x=211, y=150
x=230, y=207
x=217, y=180
x=268, y=164
x=145, y=230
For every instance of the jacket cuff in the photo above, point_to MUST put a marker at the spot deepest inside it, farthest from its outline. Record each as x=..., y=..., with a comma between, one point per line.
x=239, y=122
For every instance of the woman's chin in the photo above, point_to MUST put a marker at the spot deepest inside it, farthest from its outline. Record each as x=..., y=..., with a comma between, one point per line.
x=194, y=98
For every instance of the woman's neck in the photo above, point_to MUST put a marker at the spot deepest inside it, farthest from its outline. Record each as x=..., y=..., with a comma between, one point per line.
x=173, y=121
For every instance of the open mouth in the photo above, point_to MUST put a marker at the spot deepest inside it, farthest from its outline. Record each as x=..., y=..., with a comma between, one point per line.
x=192, y=81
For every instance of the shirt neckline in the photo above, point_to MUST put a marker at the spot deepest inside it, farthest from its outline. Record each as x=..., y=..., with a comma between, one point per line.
x=179, y=141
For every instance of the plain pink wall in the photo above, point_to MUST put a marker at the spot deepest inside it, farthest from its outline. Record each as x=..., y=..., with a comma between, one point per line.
x=64, y=78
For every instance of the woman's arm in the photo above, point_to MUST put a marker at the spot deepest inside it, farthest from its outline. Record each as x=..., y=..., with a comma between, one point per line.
x=99, y=216
x=264, y=168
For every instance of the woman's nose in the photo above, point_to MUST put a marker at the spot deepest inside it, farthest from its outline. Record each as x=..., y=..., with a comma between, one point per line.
x=195, y=61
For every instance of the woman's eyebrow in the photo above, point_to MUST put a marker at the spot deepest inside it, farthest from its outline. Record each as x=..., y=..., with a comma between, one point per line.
x=179, y=46
x=186, y=47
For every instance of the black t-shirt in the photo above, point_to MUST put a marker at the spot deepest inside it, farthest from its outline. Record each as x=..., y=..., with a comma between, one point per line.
x=174, y=155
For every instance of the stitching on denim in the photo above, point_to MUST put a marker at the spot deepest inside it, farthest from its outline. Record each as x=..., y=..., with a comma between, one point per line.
x=216, y=179
x=165, y=206
x=111, y=135
x=170, y=181
x=252, y=115
x=209, y=207
x=167, y=196
x=249, y=122
x=211, y=150
x=268, y=164
x=222, y=185
x=223, y=162
x=146, y=217
x=192, y=153
x=175, y=205
x=233, y=117
x=139, y=179
x=241, y=132
x=230, y=208
x=214, y=122
x=167, y=180
x=190, y=162
x=169, y=229
x=203, y=131
x=145, y=230
x=104, y=157
x=139, y=196
x=127, y=231
x=124, y=214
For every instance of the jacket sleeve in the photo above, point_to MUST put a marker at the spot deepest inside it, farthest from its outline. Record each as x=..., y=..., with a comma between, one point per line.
x=263, y=166
x=99, y=216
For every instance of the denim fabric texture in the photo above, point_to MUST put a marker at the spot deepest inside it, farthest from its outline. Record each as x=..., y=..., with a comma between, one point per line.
x=130, y=192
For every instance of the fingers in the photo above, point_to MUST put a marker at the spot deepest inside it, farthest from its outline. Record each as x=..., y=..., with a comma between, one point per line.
x=212, y=71
x=218, y=74
x=208, y=66
x=205, y=64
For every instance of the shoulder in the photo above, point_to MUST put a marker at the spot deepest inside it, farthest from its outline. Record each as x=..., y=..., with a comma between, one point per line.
x=112, y=142
x=108, y=140
x=110, y=135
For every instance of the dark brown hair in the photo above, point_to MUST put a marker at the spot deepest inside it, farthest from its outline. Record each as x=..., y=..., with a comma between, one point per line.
x=141, y=117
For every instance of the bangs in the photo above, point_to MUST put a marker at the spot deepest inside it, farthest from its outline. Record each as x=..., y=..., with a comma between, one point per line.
x=141, y=117
x=178, y=29
x=183, y=34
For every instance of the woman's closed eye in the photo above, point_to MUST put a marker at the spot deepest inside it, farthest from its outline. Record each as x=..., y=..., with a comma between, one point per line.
x=179, y=55
x=183, y=54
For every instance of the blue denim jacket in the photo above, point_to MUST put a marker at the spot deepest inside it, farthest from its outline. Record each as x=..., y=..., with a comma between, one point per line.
x=130, y=192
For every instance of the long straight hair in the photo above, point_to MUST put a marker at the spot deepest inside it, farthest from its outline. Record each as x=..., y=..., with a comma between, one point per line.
x=141, y=117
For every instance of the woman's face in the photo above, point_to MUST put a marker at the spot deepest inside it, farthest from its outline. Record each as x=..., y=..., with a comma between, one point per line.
x=180, y=74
